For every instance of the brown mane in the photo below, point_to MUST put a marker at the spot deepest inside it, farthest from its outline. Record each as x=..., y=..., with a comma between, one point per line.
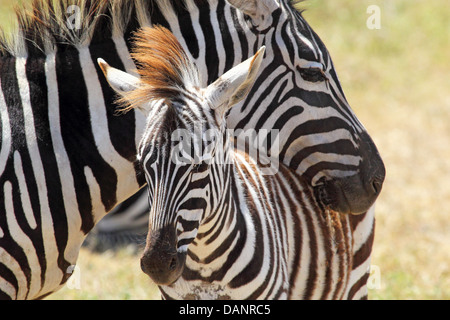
x=163, y=66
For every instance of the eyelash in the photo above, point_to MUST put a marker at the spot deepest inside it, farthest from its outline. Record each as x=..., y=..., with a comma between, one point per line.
x=313, y=74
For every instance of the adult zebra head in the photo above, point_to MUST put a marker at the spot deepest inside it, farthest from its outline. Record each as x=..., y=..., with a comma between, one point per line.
x=184, y=148
x=298, y=93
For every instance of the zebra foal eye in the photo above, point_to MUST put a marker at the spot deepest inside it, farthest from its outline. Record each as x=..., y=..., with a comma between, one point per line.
x=313, y=74
x=202, y=166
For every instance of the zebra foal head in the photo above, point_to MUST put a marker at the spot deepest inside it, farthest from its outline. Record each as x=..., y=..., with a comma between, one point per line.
x=183, y=151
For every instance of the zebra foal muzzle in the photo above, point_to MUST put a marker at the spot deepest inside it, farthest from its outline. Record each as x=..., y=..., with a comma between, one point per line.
x=161, y=261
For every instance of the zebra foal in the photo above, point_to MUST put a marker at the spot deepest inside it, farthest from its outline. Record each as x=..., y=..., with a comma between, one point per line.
x=220, y=227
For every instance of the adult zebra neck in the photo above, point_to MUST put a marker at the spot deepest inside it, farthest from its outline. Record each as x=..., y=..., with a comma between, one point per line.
x=66, y=158
x=51, y=71
x=93, y=149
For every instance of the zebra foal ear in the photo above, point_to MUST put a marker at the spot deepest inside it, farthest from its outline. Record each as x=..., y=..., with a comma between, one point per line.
x=234, y=85
x=259, y=10
x=120, y=81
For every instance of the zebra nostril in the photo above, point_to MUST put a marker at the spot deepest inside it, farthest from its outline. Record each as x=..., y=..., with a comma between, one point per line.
x=173, y=264
x=376, y=185
x=143, y=266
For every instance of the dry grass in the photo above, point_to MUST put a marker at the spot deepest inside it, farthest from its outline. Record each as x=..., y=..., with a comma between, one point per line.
x=108, y=276
x=397, y=80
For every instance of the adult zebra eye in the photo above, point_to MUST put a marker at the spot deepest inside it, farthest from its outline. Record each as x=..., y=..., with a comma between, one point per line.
x=313, y=74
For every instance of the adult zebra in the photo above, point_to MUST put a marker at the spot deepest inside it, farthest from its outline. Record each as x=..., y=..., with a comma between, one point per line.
x=221, y=227
x=66, y=160
x=299, y=93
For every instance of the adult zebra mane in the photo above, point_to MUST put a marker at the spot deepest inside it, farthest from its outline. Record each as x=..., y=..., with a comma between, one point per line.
x=49, y=23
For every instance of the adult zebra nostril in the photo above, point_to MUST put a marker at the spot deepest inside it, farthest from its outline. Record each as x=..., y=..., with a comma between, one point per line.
x=376, y=185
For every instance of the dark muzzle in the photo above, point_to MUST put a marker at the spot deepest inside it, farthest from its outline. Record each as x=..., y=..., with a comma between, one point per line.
x=357, y=193
x=160, y=260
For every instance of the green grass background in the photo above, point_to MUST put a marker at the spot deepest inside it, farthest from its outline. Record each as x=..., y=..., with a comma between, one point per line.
x=397, y=80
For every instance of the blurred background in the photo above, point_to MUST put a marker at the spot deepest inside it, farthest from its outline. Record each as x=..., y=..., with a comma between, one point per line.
x=397, y=80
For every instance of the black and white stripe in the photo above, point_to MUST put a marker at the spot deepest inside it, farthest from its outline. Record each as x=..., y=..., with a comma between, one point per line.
x=223, y=229
x=321, y=138
x=66, y=159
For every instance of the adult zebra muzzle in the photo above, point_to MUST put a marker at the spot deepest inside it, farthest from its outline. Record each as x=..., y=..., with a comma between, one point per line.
x=161, y=261
x=355, y=194
x=349, y=195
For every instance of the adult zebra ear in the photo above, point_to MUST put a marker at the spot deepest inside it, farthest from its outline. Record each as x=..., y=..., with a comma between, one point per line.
x=260, y=11
x=120, y=81
x=234, y=85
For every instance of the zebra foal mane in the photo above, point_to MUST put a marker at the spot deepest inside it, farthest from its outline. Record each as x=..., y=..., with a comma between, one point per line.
x=163, y=66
